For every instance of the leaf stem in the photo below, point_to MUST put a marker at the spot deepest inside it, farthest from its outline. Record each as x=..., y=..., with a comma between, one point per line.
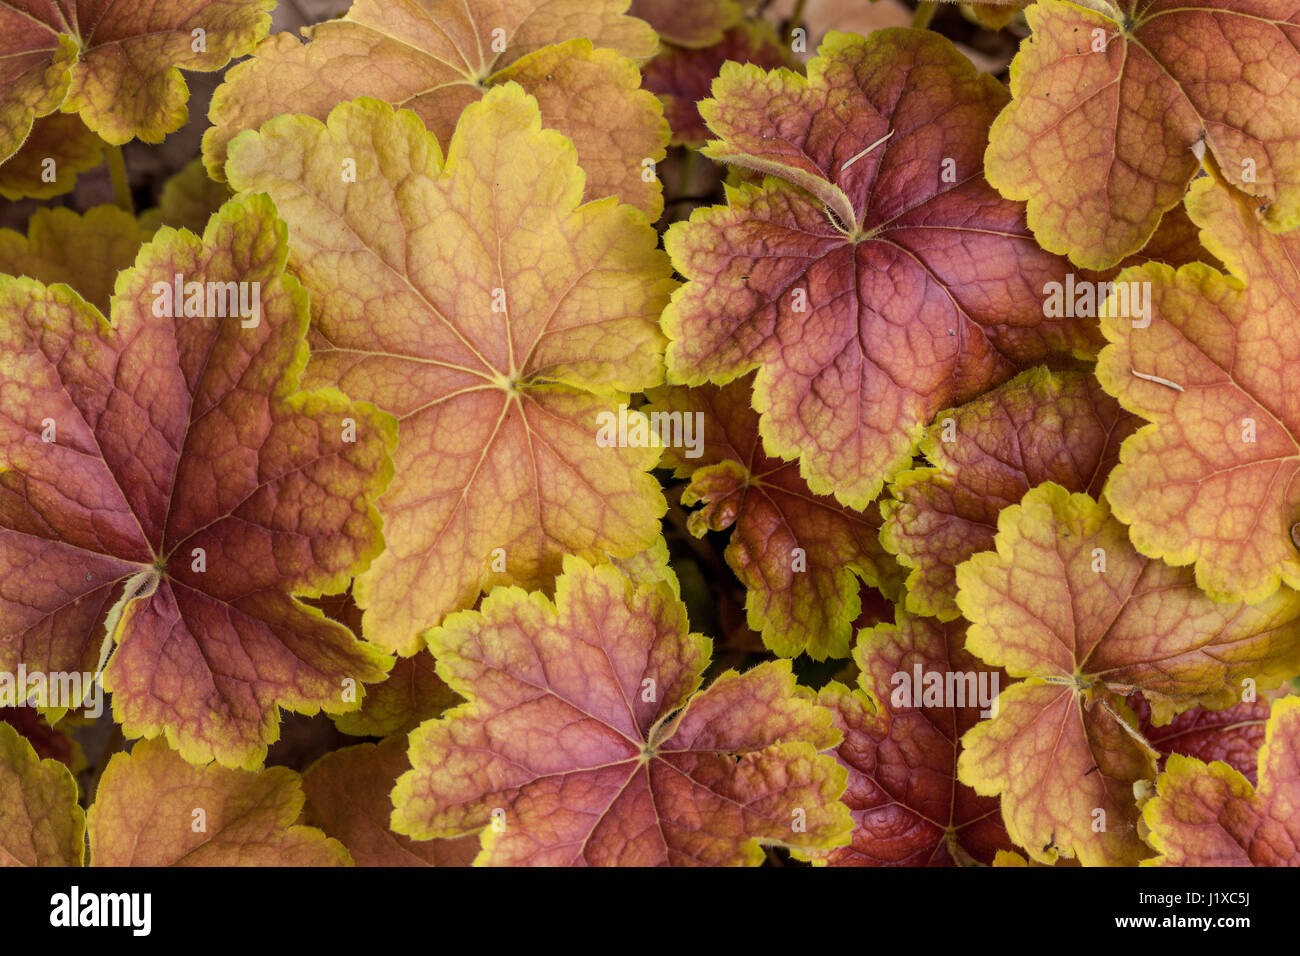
x=924, y=14
x=121, y=185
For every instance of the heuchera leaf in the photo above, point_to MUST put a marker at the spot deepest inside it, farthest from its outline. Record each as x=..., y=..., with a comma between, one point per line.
x=348, y=798
x=117, y=64
x=165, y=486
x=154, y=809
x=60, y=138
x=650, y=566
x=85, y=252
x=40, y=822
x=901, y=750
x=799, y=555
x=411, y=694
x=584, y=740
x=994, y=15
x=1213, y=480
x=499, y=321
x=188, y=200
x=1210, y=815
x=1232, y=735
x=1066, y=603
x=689, y=23
x=435, y=57
x=872, y=280
x=46, y=740
x=681, y=76
x=1108, y=103
x=1040, y=426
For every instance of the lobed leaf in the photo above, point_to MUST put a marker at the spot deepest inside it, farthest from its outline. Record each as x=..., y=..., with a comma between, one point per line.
x=166, y=488
x=1212, y=480
x=1040, y=426
x=799, y=555
x=57, y=149
x=1068, y=605
x=1210, y=815
x=436, y=57
x=1113, y=100
x=154, y=809
x=85, y=252
x=1232, y=735
x=498, y=320
x=40, y=822
x=874, y=278
x=116, y=64
x=900, y=749
x=585, y=738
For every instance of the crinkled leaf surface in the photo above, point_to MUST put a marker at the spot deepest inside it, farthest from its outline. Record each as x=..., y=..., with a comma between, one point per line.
x=348, y=798
x=1040, y=426
x=1210, y=815
x=689, y=23
x=40, y=822
x=85, y=252
x=799, y=555
x=1063, y=743
x=147, y=813
x=1232, y=735
x=1215, y=479
x=499, y=471
x=435, y=57
x=871, y=286
x=188, y=490
x=901, y=751
x=116, y=63
x=585, y=735
x=682, y=76
x=1108, y=103
x=61, y=138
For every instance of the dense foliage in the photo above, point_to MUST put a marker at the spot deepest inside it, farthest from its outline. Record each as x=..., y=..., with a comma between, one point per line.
x=359, y=497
